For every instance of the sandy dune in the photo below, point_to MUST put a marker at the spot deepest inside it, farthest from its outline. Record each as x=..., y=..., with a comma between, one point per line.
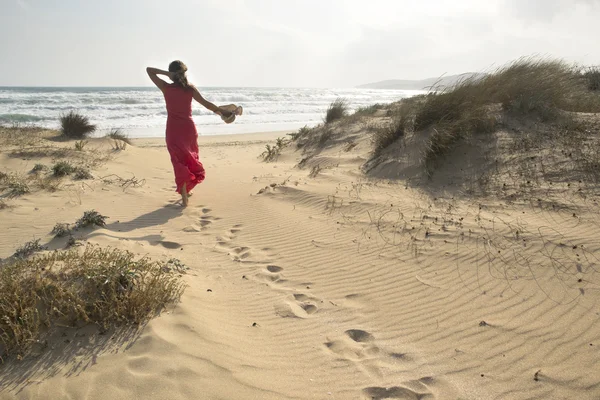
x=331, y=287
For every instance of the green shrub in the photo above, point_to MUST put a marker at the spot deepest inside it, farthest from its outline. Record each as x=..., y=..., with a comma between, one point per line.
x=75, y=125
x=91, y=218
x=62, y=168
x=337, y=110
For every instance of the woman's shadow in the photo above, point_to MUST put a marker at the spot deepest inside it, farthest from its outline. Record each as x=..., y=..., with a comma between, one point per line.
x=157, y=217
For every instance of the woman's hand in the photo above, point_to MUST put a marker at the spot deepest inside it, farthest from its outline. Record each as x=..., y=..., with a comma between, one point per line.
x=224, y=113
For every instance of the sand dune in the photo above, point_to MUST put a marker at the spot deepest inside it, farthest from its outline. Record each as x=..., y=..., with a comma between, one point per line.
x=331, y=287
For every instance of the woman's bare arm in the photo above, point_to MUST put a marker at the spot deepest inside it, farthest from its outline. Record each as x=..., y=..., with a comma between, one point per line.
x=153, y=74
x=198, y=97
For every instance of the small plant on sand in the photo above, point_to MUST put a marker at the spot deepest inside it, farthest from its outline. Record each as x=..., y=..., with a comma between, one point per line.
x=337, y=110
x=3, y=204
x=29, y=248
x=80, y=145
x=117, y=134
x=37, y=168
x=48, y=183
x=103, y=286
x=81, y=173
x=76, y=126
x=272, y=153
x=15, y=184
x=61, y=230
x=62, y=168
x=91, y=218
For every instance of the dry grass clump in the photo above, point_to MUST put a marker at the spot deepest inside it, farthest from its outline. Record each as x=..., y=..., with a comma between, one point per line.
x=538, y=88
x=369, y=110
x=592, y=78
x=82, y=173
x=337, y=110
x=76, y=126
x=91, y=218
x=302, y=132
x=272, y=153
x=64, y=168
x=80, y=144
x=37, y=168
x=384, y=136
x=29, y=248
x=118, y=135
x=13, y=184
x=61, y=230
x=18, y=135
x=103, y=286
x=48, y=183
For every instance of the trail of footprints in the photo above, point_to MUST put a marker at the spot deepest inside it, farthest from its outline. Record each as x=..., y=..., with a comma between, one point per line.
x=355, y=346
x=204, y=221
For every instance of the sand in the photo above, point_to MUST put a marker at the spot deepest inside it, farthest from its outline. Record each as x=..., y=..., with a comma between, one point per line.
x=327, y=287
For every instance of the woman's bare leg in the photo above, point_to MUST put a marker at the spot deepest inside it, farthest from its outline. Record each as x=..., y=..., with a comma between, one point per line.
x=184, y=195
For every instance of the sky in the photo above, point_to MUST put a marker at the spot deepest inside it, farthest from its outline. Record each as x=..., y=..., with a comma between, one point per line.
x=289, y=43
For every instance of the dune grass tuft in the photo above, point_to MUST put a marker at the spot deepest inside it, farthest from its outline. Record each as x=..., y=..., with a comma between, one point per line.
x=38, y=168
x=102, y=286
x=62, y=168
x=592, y=78
x=386, y=135
x=14, y=184
x=76, y=126
x=529, y=87
x=117, y=134
x=81, y=173
x=337, y=110
x=80, y=145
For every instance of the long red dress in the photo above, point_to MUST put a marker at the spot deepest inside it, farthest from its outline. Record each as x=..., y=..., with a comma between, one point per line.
x=182, y=138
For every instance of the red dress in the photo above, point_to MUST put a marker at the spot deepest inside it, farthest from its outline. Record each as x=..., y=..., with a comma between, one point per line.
x=182, y=138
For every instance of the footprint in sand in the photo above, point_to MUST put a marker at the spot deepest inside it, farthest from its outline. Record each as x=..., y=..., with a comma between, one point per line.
x=424, y=388
x=358, y=346
x=395, y=392
x=271, y=274
x=204, y=222
x=299, y=306
x=356, y=301
x=169, y=245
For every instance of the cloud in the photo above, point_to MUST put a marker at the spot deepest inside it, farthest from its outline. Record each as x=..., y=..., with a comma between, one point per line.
x=23, y=4
x=546, y=10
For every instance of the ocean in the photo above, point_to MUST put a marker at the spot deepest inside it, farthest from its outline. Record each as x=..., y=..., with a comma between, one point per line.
x=140, y=111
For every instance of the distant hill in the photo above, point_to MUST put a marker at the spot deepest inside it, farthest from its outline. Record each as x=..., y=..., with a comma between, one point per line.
x=423, y=84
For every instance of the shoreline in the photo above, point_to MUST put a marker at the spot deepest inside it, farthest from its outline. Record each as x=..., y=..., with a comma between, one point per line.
x=231, y=139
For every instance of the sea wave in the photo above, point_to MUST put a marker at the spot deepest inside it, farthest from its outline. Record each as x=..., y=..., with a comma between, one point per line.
x=134, y=108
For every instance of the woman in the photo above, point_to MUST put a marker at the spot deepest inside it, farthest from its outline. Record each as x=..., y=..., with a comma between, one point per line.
x=181, y=133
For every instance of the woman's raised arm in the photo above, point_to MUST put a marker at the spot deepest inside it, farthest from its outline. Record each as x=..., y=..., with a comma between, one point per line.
x=153, y=74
